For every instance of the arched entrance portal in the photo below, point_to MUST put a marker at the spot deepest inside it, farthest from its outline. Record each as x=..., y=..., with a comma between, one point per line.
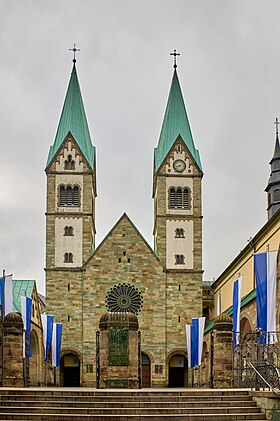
x=146, y=370
x=177, y=369
x=70, y=370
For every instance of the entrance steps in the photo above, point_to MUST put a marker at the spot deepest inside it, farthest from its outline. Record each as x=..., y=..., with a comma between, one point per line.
x=83, y=404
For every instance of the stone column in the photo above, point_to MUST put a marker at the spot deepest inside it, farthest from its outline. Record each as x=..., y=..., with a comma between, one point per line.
x=13, y=351
x=223, y=351
x=118, y=351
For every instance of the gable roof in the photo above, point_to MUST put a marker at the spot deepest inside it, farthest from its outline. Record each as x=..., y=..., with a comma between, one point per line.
x=21, y=287
x=124, y=216
x=175, y=123
x=73, y=119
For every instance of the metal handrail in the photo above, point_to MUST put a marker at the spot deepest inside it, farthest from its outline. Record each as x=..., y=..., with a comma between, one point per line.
x=274, y=389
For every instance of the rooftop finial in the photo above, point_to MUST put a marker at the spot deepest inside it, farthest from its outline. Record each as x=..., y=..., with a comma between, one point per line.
x=175, y=54
x=276, y=122
x=74, y=49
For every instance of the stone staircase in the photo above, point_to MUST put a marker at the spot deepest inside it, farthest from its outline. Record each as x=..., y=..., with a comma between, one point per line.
x=69, y=404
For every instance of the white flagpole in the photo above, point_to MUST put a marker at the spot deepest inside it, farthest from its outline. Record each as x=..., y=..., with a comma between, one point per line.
x=189, y=345
x=8, y=294
x=271, y=294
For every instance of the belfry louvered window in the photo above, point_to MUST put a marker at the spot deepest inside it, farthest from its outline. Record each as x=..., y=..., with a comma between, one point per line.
x=179, y=198
x=69, y=195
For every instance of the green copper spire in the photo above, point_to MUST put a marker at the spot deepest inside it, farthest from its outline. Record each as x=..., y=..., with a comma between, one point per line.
x=175, y=123
x=73, y=119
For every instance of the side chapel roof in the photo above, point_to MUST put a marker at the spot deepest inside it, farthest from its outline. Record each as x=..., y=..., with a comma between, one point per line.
x=21, y=287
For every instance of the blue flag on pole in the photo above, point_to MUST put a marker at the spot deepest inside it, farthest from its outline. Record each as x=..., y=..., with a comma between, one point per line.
x=194, y=334
x=265, y=273
x=47, y=322
x=236, y=310
x=56, y=344
x=189, y=345
x=26, y=312
x=6, y=295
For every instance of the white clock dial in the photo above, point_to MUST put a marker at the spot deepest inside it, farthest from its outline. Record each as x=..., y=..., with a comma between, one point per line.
x=179, y=165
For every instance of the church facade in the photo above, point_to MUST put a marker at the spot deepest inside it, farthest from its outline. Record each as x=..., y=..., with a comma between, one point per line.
x=162, y=286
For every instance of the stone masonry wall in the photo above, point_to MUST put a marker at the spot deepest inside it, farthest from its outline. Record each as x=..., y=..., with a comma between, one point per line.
x=143, y=271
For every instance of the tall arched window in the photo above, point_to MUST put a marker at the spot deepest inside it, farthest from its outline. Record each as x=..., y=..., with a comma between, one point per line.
x=179, y=198
x=68, y=258
x=186, y=198
x=172, y=197
x=69, y=195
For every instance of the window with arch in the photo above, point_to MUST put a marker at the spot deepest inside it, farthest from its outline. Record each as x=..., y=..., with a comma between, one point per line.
x=179, y=259
x=179, y=198
x=179, y=233
x=68, y=258
x=69, y=195
x=68, y=231
x=69, y=163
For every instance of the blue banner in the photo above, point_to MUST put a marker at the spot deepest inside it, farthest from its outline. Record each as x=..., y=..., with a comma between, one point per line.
x=194, y=341
x=56, y=344
x=47, y=323
x=2, y=295
x=260, y=265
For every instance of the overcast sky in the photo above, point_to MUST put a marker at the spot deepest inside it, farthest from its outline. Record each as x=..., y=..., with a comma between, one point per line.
x=230, y=77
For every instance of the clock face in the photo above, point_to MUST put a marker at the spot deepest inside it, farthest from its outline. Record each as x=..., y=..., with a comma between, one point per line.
x=179, y=165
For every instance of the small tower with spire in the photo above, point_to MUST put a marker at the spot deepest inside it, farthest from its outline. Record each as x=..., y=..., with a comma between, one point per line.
x=273, y=186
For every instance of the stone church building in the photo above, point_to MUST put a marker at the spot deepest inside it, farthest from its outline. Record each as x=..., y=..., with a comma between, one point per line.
x=162, y=286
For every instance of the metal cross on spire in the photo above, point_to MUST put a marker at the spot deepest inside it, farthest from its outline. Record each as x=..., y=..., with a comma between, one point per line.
x=74, y=49
x=276, y=122
x=175, y=54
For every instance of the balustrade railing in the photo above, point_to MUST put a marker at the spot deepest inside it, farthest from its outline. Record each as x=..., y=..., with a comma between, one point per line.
x=257, y=360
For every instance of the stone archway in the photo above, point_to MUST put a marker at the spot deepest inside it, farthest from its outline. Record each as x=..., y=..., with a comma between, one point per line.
x=145, y=370
x=70, y=370
x=245, y=327
x=177, y=368
x=34, y=361
x=204, y=369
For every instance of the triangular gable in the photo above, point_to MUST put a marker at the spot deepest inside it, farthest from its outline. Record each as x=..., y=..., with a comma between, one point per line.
x=64, y=145
x=123, y=217
x=181, y=140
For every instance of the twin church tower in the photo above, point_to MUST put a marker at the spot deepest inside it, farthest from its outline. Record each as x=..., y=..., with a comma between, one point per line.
x=161, y=286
